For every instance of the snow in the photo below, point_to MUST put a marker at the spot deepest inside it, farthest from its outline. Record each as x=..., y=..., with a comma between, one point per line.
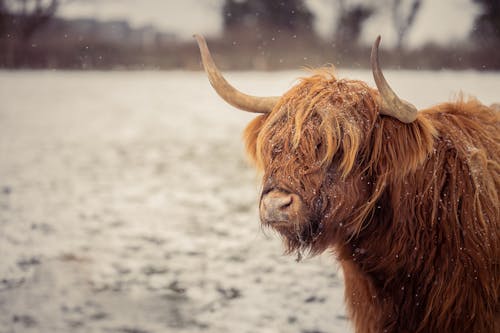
x=127, y=205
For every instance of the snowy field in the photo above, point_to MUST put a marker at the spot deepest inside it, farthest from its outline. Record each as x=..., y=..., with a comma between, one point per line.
x=127, y=206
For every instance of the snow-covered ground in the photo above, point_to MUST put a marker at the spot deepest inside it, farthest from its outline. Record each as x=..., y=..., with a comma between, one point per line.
x=127, y=205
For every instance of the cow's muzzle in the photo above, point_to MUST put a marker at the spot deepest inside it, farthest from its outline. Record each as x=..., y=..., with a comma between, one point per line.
x=279, y=207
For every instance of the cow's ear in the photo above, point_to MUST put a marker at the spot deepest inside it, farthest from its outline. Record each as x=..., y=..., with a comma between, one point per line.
x=250, y=137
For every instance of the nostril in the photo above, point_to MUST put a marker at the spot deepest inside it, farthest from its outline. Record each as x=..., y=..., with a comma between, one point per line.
x=287, y=202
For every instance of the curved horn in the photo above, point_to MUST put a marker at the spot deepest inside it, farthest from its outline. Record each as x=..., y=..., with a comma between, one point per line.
x=228, y=92
x=390, y=103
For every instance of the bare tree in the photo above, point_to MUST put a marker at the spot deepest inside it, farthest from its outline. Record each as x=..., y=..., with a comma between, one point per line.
x=487, y=24
x=404, y=21
x=19, y=21
x=22, y=18
x=274, y=15
x=351, y=20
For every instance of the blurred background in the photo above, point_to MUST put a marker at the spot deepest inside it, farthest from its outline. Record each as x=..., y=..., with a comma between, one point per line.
x=248, y=34
x=127, y=204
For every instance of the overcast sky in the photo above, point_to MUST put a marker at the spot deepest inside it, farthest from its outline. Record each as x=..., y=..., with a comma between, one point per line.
x=440, y=21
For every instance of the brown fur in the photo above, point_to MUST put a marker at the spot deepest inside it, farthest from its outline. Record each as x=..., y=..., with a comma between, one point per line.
x=411, y=210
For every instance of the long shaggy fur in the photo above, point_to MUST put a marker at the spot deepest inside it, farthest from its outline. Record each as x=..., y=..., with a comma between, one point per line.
x=411, y=210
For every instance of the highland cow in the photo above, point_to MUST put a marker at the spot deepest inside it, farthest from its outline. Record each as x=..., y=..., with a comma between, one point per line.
x=407, y=201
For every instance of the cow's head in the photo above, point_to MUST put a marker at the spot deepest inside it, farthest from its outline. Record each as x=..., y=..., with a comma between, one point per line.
x=312, y=146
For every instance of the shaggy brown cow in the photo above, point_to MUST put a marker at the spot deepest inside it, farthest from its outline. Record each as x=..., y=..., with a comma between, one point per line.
x=408, y=202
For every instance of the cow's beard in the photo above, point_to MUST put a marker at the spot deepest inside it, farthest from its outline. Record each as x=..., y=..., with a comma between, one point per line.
x=321, y=226
x=300, y=237
x=305, y=235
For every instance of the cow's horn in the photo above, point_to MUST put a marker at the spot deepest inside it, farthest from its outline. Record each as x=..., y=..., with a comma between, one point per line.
x=390, y=103
x=228, y=92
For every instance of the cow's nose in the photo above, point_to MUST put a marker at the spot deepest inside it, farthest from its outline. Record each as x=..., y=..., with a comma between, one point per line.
x=278, y=206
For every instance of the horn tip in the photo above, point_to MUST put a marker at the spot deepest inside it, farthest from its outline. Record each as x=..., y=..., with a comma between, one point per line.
x=198, y=37
x=377, y=42
x=374, y=53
